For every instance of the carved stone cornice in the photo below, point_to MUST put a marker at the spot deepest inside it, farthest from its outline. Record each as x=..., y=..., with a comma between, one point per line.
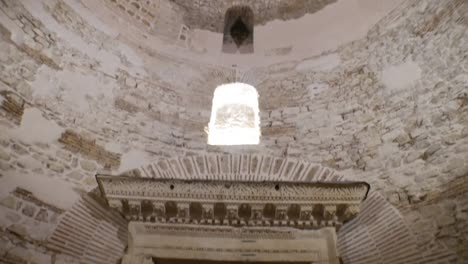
x=304, y=205
x=121, y=187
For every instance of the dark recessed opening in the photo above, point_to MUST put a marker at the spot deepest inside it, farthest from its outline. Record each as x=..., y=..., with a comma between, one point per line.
x=146, y=208
x=239, y=32
x=220, y=211
x=172, y=186
x=196, y=211
x=269, y=211
x=245, y=211
x=171, y=209
x=277, y=187
x=294, y=211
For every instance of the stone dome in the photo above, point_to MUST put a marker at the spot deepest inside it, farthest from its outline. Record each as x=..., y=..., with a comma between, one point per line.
x=348, y=90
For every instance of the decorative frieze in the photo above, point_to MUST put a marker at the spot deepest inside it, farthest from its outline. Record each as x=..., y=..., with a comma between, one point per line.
x=302, y=205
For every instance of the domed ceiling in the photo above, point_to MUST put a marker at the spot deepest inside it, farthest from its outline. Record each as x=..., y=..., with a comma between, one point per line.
x=209, y=15
x=364, y=90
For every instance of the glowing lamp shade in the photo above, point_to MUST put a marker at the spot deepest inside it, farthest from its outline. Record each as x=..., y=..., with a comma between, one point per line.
x=234, y=116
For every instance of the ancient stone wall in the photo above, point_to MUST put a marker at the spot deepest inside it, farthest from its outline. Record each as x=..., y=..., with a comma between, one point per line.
x=55, y=81
x=384, y=108
x=77, y=98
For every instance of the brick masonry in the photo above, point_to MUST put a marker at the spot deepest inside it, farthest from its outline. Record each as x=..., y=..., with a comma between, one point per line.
x=87, y=147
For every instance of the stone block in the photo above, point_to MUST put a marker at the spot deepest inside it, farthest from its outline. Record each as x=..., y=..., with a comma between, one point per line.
x=462, y=171
x=430, y=151
x=9, y=202
x=391, y=135
x=75, y=175
x=42, y=215
x=402, y=138
x=29, y=210
x=4, y=166
x=131, y=82
x=412, y=156
x=88, y=165
x=13, y=217
x=18, y=149
x=453, y=164
x=444, y=220
x=430, y=211
x=63, y=155
x=56, y=167
x=4, y=155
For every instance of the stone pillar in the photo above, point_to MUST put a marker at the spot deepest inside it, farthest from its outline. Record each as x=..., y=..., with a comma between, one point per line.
x=183, y=210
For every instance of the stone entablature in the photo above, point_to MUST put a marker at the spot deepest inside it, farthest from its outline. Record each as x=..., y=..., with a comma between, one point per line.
x=302, y=205
x=226, y=243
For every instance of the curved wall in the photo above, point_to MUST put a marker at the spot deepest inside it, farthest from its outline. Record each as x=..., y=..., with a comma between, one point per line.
x=85, y=89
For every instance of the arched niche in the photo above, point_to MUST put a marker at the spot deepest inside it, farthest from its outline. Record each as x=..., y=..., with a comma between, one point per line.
x=238, y=30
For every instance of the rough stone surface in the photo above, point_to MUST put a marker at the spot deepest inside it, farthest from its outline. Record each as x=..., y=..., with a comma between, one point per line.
x=88, y=165
x=209, y=15
x=389, y=108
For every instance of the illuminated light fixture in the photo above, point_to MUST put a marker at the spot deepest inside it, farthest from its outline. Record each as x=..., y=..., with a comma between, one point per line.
x=234, y=116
